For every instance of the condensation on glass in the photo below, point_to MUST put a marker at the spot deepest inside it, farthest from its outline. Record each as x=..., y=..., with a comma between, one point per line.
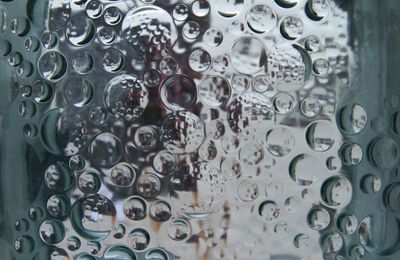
x=195, y=129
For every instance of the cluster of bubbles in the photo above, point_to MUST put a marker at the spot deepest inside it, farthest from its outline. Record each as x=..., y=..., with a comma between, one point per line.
x=194, y=128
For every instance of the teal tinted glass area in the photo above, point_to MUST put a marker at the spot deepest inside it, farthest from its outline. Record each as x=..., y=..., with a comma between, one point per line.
x=199, y=129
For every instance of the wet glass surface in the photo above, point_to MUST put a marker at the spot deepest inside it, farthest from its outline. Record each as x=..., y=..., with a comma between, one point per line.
x=195, y=129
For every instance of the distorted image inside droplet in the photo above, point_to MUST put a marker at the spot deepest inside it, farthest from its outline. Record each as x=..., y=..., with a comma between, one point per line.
x=105, y=150
x=229, y=8
x=80, y=30
x=280, y=141
x=214, y=91
x=178, y=92
x=304, y=170
x=337, y=191
x=248, y=55
x=182, y=132
x=78, y=92
x=321, y=136
x=52, y=65
x=126, y=96
x=261, y=19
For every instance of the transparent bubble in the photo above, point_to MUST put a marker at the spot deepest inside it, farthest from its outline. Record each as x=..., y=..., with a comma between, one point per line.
x=164, y=162
x=384, y=152
x=149, y=25
x=200, y=60
x=304, y=170
x=73, y=243
x=113, y=60
x=251, y=153
x=248, y=55
x=320, y=67
x=58, y=205
x=119, y=231
x=213, y=37
x=347, y=223
x=126, y=96
x=269, y=210
x=321, y=136
x=229, y=8
x=182, y=132
x=310, y=107
x=214, y=91
x=283, y=103
x=371, y=183
x=336, y=191
x=138, y=239
x=250, y=111
x=49, y=39
x=317, y=10
x=247, y=191
x=215, y=129
x=179, y=229
x=149, y=185
x=94, y=9
x=160, y=211
x=97, y=115
x=168, y=65
x=352, y=119
x=112, y=15
x=107, y=35
x=178, y=92
x=200, y=8
x=52, y=231
x=78, y=92
x=191, y=30
x=24, y=244
x=206, y=198
x=289, y=67
x=180, y=12
x=318, y=218
x=119, y=252
x=152, y=78
x=52, y=65
x=261, y=19
x=82, y=62
x=333, y=163
x=123, y=174
x=287, y=3
x=105, y=150
x=89, y=182
x=80, y=30
x=312, y=43
x=220, y=63
x=260, y=84
x=145, y=138
x=58, y=177
x=156, y=254
x=207, y=151
x=331, y=243
x=291, y=27
x=135, y=208
x=240, y=83
x=280, y=141
x=301, y=241
x=351, y=154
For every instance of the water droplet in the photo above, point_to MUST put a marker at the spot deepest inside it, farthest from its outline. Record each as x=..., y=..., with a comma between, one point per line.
x=149, y=185
x=347, y=223
x=94, y=9
x=287, y=3
x=291, y=27
x=52, y=231
x=370, y=183
x=310, y=107
x=268, y=210
x=230, y=168
x=248, y=55
x=78, y=92
x=106, y=150
x=191, y=30
x=280, y=141
x=229, y=8
x=58, y=177
x=352, y=119
x=200, y=60
x=135, y=208
x=284, y=103
x=213, y=37
x=304, y=170
x=119, y=252
x=179, y=229
x=301, y=241
x=182, y=132
x=384, y=152
x=73, y=243
x=214, y=91
x=317, y=10
x=178, y=92
x=320, y=136
x=208, y=151
x=351, y=154
x=112, y=15
x=80, y=30
x=156, y=254
x=336, y=192
x=113, y=60
x=52, y=65
x=138, y=239
x=82, y=62
x=320, y=67
x=89, y=182
x=126, y=96
x=164, y=162
x=215, y=129
x=247, y=191
x=261, y=19
x=251, y=153
x=180, y=12
x=58, y=206
x=160, y=211
x=107, y=35
x=123, y=174
x=318, y=218
x=331, y=243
